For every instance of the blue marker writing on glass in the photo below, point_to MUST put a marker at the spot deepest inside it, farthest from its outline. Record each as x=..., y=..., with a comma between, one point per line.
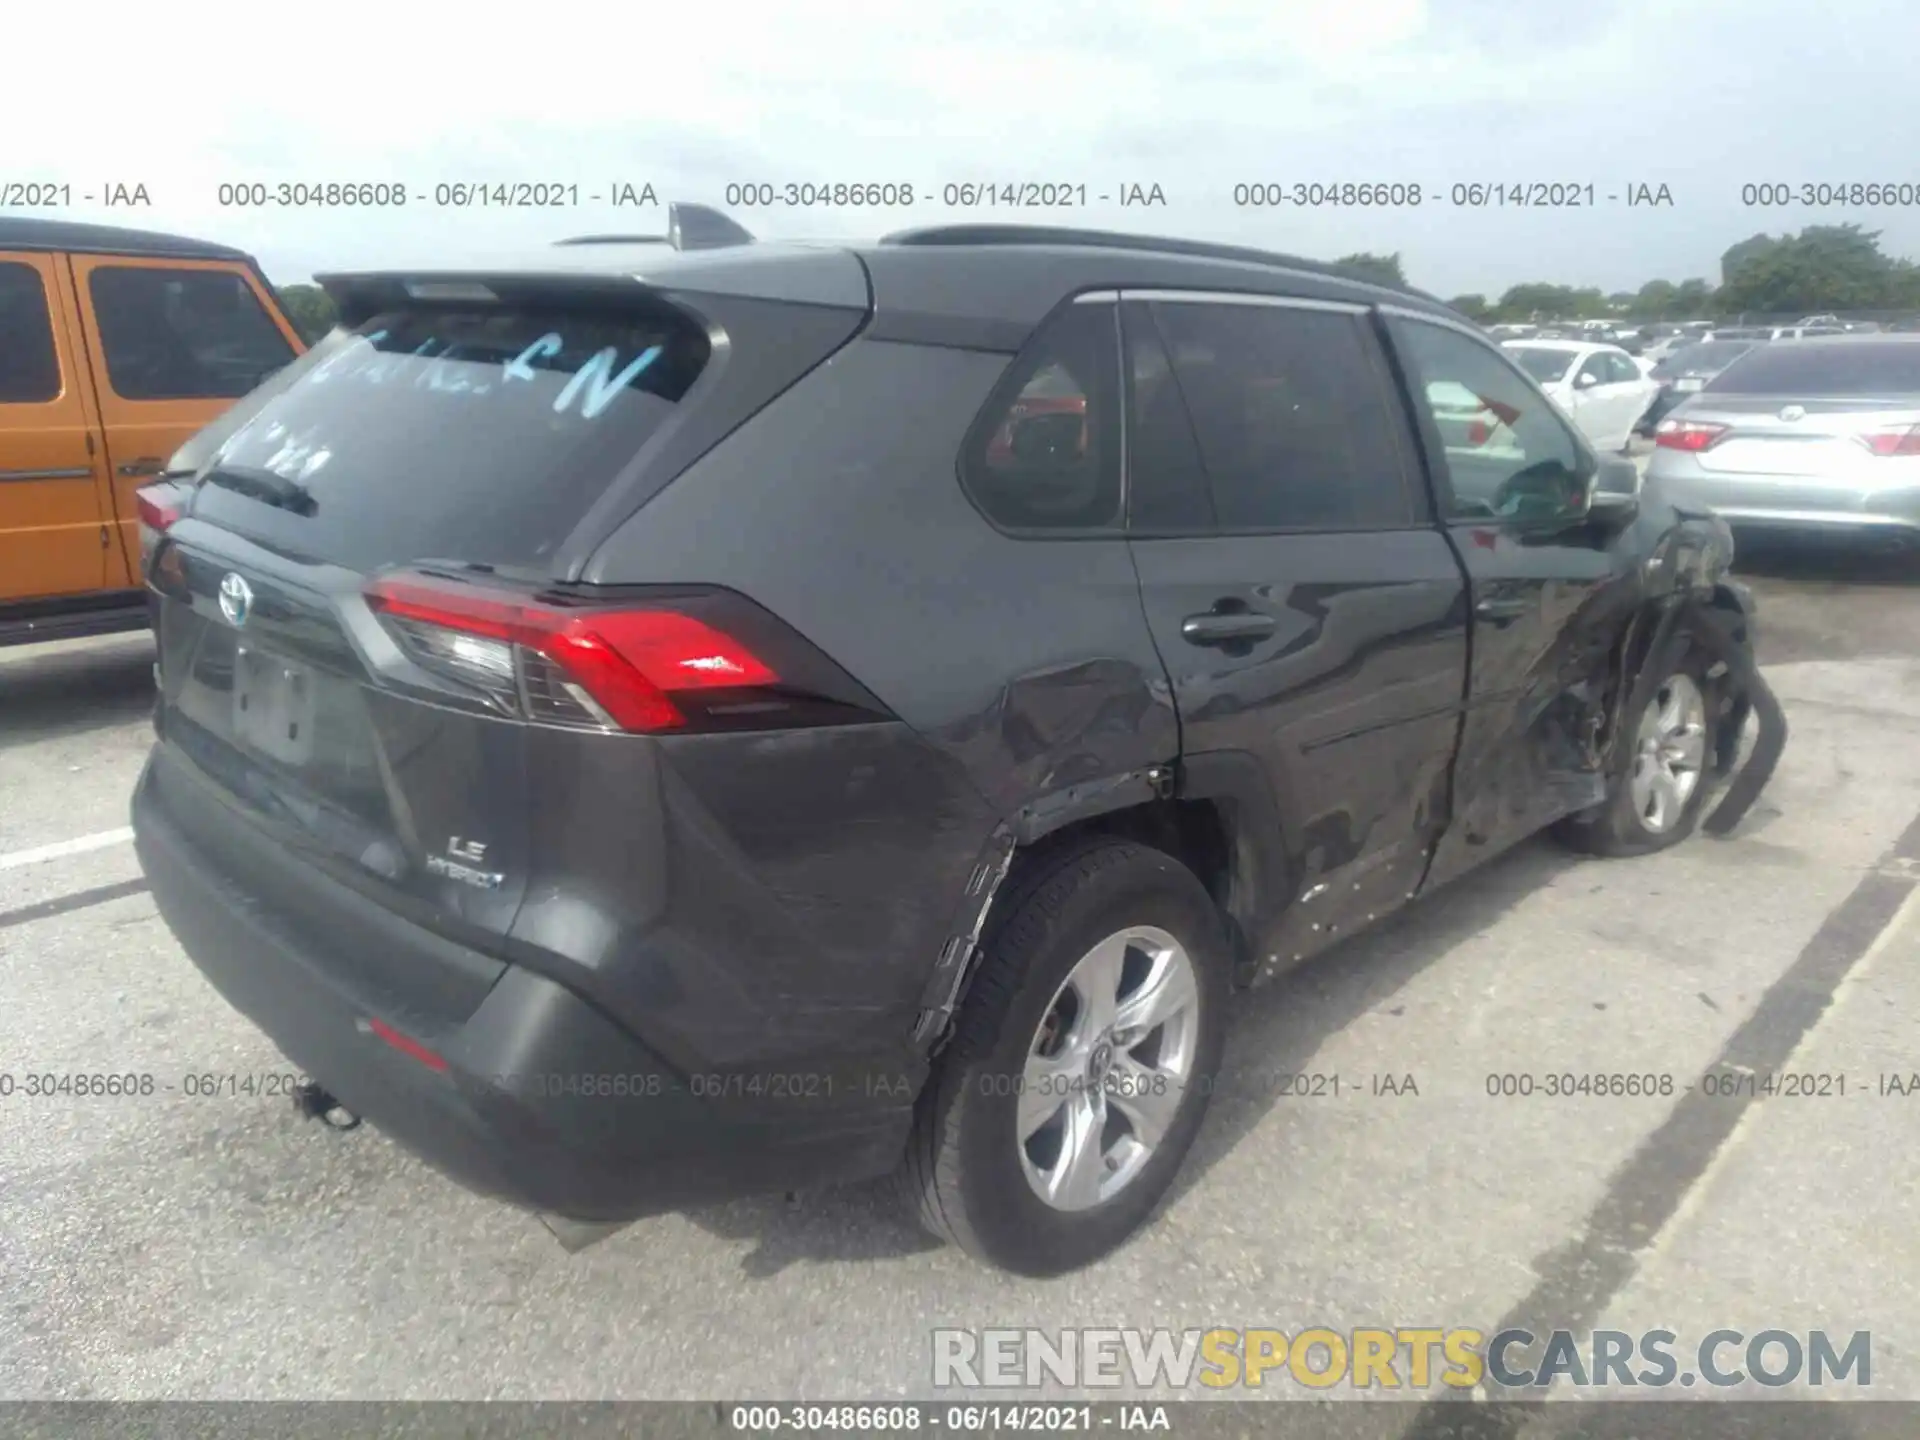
x=520, y=368
x=592, y=377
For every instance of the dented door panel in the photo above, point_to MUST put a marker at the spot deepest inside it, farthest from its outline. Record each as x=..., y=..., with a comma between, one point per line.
x=1546, y=615
x=1351, y=704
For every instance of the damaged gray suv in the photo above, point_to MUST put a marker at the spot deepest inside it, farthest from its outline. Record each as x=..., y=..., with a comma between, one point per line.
x=651, y=721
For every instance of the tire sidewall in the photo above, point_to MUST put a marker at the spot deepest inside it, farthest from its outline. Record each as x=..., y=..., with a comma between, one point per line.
x=1150, y=889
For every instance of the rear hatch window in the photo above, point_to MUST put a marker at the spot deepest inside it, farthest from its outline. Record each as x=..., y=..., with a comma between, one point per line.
x=1825, y=369
x=1700, y=359
x=482, y=432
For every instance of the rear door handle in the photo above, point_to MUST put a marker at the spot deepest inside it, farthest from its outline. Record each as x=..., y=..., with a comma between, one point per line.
x=1506, y=607
x=1218, y=629
x=145, y=465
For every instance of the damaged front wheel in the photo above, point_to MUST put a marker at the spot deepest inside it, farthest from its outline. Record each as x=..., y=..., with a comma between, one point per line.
x=1660, y=781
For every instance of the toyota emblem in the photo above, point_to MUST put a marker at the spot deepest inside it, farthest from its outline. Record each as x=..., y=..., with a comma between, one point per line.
x=1794, y=412
x=236, y=599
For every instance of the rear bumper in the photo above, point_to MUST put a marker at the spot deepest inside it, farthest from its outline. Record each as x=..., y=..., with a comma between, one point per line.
x=1802, y=503
x=1831, y=522
x=537, y=1097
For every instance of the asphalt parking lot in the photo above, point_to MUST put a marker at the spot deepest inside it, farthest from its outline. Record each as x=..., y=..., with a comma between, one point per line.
x=172, y=1247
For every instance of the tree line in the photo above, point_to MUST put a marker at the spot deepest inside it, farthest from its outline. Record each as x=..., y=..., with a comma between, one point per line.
x=1824, y=268
x=1836, y=268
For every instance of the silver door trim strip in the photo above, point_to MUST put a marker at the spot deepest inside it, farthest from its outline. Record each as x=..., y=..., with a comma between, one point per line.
x=11, y=476
x=1447, y=322
x=1241, y=297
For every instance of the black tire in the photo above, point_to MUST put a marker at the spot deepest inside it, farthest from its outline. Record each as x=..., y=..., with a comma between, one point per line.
x=1617, y=829
x=962, y=1171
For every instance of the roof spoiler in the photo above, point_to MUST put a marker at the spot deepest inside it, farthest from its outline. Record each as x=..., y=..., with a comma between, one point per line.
x=689, y=227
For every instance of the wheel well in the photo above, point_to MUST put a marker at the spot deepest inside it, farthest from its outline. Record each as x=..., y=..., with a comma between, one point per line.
x=1194, y=832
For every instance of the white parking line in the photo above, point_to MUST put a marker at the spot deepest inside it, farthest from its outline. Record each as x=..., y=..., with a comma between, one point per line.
x=63, y=848
x=1756, y=1113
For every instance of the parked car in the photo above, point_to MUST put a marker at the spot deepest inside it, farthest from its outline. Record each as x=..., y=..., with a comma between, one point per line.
x=118, y=346
x=1598, y=385
x=629, y=726
x=1821, y=436
x=1802, y=332
x=1661, y=346
x=1686, y=372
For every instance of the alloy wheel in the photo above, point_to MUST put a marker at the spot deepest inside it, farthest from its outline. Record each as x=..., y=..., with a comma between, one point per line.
x=1108, y=1068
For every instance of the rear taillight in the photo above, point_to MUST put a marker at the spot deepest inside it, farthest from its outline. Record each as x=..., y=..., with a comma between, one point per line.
x=1478, y=432
x=647, y=667
x=1689, y=435
x=154, y=512
x=1903, y=440
x=405, y=1044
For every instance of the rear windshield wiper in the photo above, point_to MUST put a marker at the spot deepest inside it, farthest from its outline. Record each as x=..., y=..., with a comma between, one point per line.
x=264, y=486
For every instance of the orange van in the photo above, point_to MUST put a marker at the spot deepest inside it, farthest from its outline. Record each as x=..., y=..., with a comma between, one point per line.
x=116, y=346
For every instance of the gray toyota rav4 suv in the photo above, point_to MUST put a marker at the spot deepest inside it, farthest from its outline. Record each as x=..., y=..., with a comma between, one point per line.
x=645, y=722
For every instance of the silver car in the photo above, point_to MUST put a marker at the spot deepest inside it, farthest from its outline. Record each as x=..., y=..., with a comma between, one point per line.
x=1819, y=435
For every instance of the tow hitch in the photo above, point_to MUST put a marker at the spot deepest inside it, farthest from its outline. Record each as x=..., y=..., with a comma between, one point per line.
x=314, y=1103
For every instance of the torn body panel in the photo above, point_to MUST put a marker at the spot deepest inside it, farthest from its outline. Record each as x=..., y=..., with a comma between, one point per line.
x=1686, y=597
x=955, y=965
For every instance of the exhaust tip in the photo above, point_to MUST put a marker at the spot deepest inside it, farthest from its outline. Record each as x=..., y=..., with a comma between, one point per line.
x=311, y=1102
x=576, y=1235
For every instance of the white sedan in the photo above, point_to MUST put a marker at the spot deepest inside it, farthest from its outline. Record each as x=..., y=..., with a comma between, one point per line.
x=1599, y=386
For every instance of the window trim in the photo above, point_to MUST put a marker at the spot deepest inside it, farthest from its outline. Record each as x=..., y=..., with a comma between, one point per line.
x=999, y=394
x=1420, y=513
x=1439, y=471
x=263, y=300
x=49, y=308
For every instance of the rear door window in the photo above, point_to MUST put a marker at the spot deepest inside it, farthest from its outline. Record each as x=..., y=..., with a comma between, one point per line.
x=183, y=334
x=29, y=365
x=1621, y=370
x=475, y=434
x=1296, y=427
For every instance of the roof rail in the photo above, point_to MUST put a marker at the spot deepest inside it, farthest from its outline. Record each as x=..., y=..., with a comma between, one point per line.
x=613, y=240
x=689, y=227
x=1119, y=240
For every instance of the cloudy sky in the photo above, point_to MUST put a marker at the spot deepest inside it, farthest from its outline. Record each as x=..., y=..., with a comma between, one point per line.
x=1195, y=96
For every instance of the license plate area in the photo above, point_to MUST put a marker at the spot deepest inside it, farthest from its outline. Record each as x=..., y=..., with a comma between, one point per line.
x=273, y=705
x=1786, y=460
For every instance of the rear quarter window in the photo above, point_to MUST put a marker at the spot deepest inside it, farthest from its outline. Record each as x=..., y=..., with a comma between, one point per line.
x=1044, y=455
x=479, y=434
